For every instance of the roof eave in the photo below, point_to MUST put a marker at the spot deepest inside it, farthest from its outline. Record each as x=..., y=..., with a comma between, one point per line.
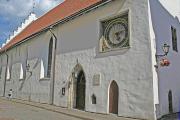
x=71, y=17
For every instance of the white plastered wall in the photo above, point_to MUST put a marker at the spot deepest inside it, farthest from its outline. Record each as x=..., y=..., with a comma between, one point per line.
x=168, y=76
x=78, y=39
x=131, y=68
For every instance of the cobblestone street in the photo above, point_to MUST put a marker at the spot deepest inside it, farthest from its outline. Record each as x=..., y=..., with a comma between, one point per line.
x=24, y=110
x=16, y=111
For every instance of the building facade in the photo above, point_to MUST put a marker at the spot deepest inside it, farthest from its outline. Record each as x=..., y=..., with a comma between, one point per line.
x=97, y=56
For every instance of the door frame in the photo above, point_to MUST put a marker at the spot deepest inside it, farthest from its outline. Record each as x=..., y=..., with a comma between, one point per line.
x=73, y=86
x=109, y=97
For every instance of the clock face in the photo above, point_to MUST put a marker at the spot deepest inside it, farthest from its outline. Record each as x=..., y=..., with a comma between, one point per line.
x=116, y=34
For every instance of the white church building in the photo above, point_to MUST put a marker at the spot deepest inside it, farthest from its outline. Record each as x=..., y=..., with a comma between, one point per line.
x=103, y=56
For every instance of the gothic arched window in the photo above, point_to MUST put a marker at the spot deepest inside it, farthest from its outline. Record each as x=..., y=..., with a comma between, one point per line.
x=50, y=57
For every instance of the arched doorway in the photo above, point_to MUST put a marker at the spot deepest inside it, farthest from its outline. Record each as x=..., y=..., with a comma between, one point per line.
x=170, y=101
x=113, y=97
x=80, y=91
x=77, y=88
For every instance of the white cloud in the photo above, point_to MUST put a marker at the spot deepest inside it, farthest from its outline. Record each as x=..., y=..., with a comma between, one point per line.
x=47, y=4
x=21, y=8
x=43, y=6
x=12, y=13
x=17, y=8
x=173, y=6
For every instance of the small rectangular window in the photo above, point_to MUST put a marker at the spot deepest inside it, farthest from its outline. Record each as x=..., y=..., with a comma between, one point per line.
x=174, y=39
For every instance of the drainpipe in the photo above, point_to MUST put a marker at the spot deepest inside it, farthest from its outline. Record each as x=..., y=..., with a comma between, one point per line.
x=52, y=79
x=7, y=59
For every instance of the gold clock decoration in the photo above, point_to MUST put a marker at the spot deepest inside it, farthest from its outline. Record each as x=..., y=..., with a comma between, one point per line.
x=115, y=32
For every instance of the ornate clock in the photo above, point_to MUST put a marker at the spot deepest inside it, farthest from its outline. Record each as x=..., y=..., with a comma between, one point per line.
x=115, y=32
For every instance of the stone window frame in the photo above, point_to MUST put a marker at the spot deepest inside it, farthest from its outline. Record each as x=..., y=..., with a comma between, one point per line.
x=118, y=51
x=109, y=20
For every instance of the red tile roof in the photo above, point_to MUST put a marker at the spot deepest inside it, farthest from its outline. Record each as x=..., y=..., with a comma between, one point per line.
x=62, y=11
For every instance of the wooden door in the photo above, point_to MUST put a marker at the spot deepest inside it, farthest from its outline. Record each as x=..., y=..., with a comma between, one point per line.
x=113, y=98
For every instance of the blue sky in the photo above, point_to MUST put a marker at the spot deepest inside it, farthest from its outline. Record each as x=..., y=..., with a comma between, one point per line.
x=13, y=12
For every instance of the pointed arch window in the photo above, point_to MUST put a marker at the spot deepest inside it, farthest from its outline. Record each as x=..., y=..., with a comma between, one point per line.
x=42, y=70
x=50, y=57
x=21, y=72
x=8, y=76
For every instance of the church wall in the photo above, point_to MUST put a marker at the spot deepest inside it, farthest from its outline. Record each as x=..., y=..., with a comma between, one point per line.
x=168, y=76
x=78, y=42
x=131, y=68
x=27, y=85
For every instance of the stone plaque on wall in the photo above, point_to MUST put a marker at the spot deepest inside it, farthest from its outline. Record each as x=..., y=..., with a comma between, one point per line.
x=96, y=80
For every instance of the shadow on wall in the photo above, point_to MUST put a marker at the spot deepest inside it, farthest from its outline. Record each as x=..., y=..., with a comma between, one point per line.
x=27, y=78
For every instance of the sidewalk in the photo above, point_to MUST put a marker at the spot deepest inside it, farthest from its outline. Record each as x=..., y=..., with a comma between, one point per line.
x=70, y=112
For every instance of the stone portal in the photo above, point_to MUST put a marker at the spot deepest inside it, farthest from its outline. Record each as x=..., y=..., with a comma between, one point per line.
x=77, y=88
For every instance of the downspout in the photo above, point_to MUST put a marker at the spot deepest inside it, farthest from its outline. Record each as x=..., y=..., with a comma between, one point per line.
x=52, y=79
x=7, y=59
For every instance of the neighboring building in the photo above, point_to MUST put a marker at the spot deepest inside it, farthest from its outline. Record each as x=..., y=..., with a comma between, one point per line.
x=98, y=56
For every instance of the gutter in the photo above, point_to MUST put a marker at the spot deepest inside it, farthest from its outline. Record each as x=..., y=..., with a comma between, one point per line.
x=52, y=81
x=7, y=59
x=71, y=17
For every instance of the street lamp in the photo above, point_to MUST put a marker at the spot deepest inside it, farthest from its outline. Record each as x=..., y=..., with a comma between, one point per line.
x=165, y=48
x=163, y=62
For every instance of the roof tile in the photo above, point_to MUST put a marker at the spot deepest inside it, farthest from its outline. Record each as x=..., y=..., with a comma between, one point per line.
x=63, y=10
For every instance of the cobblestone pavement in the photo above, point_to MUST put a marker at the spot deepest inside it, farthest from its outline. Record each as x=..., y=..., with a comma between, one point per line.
x=16, y=111
x=24, y=110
